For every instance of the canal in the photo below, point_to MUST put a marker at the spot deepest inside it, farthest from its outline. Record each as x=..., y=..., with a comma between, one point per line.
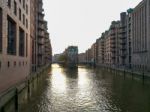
x=88, y=90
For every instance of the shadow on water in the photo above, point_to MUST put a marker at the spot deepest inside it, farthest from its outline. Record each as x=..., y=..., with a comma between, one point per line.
x=88, y=89
x=70, y=72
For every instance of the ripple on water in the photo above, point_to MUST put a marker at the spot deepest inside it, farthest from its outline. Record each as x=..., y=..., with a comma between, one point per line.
x=83, y=90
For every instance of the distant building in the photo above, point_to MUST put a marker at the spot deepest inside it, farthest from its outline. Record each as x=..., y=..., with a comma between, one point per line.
x=100, y=50
x=72, y=56
x=47, y=47
x=82, y=58
x=123, y=40
x=108, y=51
x=41, y=28
x=33, y=30
x=41, y=50
x=93, y=53
x=129, y=43
x=112, y=45
x=126, y=43
x=56, y=58
x=88, y=55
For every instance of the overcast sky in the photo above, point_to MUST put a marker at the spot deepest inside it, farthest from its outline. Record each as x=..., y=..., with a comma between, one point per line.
x=81, y=22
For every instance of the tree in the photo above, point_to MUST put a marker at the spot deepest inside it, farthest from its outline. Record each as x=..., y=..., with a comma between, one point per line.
x=62, y=58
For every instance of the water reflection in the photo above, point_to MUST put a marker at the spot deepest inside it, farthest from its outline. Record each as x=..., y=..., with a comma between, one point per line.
x=83, y=80
x=58, y=80
x=88, y=90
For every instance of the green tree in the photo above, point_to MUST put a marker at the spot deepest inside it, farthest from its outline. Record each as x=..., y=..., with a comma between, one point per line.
x=63, y=58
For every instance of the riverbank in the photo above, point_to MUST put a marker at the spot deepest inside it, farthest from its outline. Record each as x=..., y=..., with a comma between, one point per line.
x=12, y=99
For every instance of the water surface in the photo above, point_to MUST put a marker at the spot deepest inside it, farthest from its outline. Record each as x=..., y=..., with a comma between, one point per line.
x=88, y=90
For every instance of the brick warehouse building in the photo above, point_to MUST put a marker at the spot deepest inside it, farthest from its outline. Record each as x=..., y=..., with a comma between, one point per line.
x=126, y=46
x=33, y=42
x=15, y=49
x=140, y=36
x=19, y=41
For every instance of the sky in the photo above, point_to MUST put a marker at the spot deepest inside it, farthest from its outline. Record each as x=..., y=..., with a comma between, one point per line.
x=81, y=22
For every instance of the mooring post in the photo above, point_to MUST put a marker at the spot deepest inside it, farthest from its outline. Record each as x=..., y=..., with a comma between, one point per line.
x=143, y=76
x=2, y=109
x=28, y=89
x=132, y=74
x=16, y=100
x=124, y=73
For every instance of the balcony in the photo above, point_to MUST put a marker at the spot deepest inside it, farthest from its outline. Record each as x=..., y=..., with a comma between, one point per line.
x=122, y=37
x=113, y=46
x=112, y=42
x=41, y=34
x=122, y=43
x=40, y=52
x=113, y=51
x=113, y=56
x=40, y=11
x=122, y=27
x=41, y=41
x=41, y=27
x=112, y=27
x=40, y=19
x=121, y=31
x=123, y=48
x=113, y=34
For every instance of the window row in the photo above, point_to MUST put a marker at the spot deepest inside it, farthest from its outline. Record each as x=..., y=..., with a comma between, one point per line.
x=11, y=39
x=23, y=18
x=1, y=30
x=140, y=67
x=16, y=11
x=14, y=64
x=25, y=6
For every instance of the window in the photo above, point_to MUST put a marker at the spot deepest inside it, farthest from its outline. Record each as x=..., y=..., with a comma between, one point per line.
x=8, y=64
x=23, y=19
x=24, y=4
x=1, y=30
x=20, y=1
x=11, y=41
x=15, y=8
x=19, y=63
x=0, y=64
x=26, y=45
x=9, y=3
x=14, y=63
x=20, y=14
x=21, y=42
x=26, y=9
x=26, y=23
